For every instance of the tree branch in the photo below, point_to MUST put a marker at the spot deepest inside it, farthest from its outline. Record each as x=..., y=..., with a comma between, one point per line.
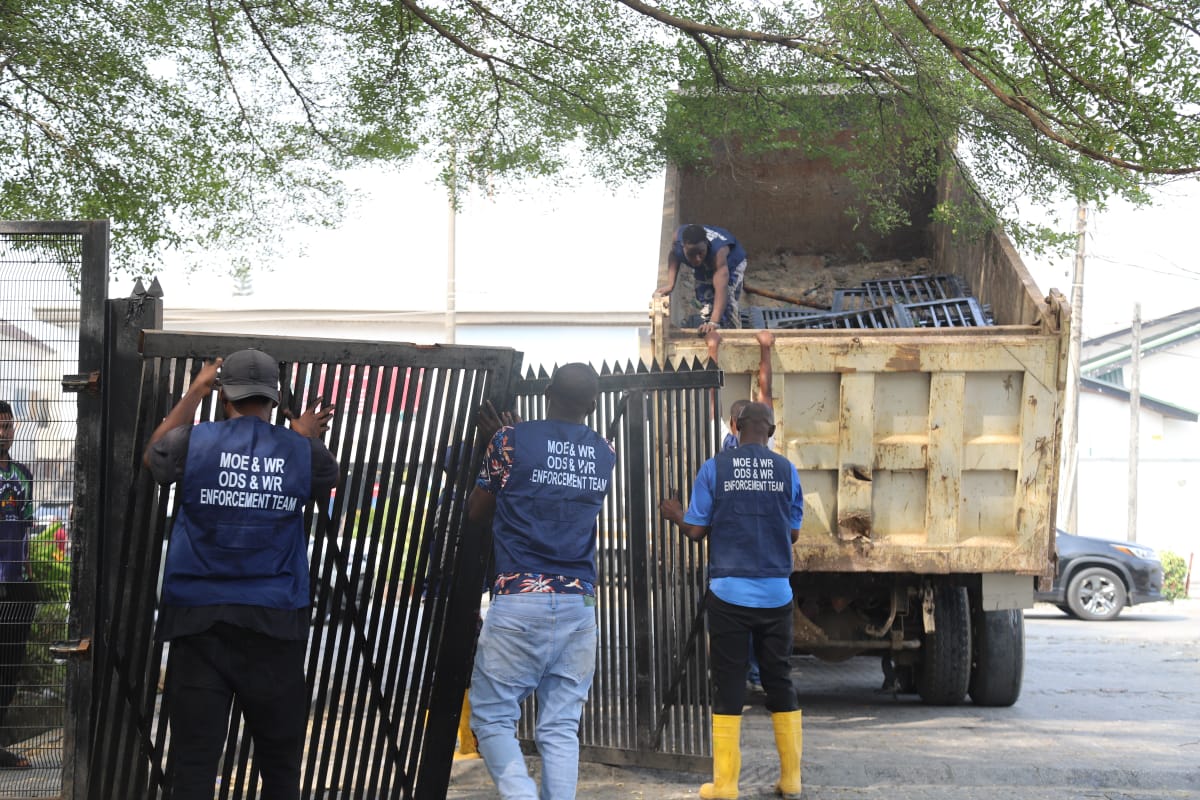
x=1028, y=110
x=492, y=60
x=714, y=65
x=305, y=103
x=227, y=73
x=792, y=41
x=1192, y=26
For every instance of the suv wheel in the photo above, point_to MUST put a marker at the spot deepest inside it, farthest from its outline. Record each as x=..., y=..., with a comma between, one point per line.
x=1096, y=594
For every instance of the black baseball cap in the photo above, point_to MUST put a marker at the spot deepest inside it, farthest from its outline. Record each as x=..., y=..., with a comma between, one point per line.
x=756, y=411
x=250, y=373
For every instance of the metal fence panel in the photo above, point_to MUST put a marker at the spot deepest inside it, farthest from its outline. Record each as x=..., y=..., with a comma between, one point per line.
x=48, y=272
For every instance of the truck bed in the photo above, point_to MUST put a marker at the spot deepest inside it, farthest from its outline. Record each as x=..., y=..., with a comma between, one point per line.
x=920, y=451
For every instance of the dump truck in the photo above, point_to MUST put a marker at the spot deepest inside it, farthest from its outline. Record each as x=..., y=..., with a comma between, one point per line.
x=917, y=379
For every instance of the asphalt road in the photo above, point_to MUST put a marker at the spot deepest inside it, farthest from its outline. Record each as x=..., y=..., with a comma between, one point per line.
x=1108, y=711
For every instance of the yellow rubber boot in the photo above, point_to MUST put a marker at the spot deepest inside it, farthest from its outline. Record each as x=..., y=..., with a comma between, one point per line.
x=727, y=758
x=789, y=741
x=468, y=747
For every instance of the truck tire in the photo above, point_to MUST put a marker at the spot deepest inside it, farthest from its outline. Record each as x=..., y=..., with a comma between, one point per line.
x=999, y=639
x=945, y=671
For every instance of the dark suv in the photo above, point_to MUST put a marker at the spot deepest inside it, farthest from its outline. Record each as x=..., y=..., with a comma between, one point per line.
x=1097, y=578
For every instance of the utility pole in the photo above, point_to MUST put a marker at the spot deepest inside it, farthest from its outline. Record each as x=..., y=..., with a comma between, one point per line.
x=1070, y=481
x=1135, y=413
x=451, y=322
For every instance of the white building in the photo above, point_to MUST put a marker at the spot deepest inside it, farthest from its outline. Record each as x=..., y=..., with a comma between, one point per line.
x=1168, y=474
x=544, y=337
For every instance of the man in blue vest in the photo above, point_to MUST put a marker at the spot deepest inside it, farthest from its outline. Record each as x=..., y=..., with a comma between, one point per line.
x=18, y=595
x=235, y=594
x=540, y=491
x=718, y=265
x=747, y=502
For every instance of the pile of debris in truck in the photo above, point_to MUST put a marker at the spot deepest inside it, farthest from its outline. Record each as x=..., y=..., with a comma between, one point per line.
x=900, y=301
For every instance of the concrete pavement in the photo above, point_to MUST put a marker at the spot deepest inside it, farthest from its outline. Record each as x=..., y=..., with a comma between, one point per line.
x=1109, y=711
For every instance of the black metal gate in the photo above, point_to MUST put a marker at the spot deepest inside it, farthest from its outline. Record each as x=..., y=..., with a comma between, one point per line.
x=388, y=657
x=396, y=576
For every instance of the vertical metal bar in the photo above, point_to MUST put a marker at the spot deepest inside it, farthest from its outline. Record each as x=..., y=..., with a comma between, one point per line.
x=126, y=603
x=356, y=613
x=385, y=613
x=333, y=663
x=400, y=651
x=162, y=380
x=130, y=523
x=421, y=624
x=129, y=612
x=89, y=484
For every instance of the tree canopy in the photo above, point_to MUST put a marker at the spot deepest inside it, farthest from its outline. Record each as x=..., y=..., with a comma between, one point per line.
x=201, y=122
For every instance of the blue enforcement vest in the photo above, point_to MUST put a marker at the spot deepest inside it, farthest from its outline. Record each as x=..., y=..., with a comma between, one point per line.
x=750, y=535
x=723, y=238
x=546, y=513
x=239, y=538
x=16, y=519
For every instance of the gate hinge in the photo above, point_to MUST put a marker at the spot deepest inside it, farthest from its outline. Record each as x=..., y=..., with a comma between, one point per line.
x=79, y=648
x=89, y=382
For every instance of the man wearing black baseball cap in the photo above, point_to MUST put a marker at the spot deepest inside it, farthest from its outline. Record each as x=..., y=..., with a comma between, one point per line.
x=235, y=595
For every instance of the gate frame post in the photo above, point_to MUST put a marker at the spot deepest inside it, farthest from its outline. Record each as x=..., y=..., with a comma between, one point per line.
x=455, y=655
x=116, y=588
x=86, y=522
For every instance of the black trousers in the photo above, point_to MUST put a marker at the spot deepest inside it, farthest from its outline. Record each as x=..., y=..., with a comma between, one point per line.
x=18, y=604
x=732, y=632
x=205, y=672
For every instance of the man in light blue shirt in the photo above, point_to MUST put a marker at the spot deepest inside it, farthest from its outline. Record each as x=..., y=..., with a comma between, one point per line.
x=747, y=502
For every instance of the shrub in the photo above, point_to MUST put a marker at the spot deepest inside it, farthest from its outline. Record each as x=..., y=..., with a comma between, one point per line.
x=1174, y=576
x=43, y=678
x=50, y=563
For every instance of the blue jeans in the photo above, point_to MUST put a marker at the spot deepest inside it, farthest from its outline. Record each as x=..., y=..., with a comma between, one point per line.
x=541, y=644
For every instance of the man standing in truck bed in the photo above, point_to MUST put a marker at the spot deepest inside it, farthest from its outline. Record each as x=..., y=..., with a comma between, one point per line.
x=719, y=265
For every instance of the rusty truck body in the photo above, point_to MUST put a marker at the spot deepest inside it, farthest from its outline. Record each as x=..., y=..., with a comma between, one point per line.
x=928, y=455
